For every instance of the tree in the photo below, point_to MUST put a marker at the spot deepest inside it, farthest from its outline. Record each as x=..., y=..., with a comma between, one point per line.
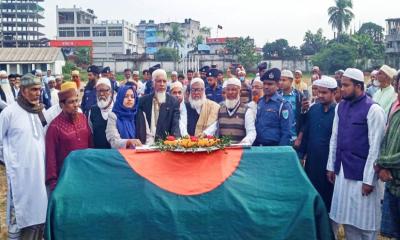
x=340, y=15
x=373, y=30
x=175, y=36
x=205, y=30
x=244, y=49
x=83, y=56
x=313, y=43
x=198, y=40
x=167, y=54
x=335, y=56
x=275, y=49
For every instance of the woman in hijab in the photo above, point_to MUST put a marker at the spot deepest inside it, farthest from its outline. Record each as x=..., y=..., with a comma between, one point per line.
x=121, y=130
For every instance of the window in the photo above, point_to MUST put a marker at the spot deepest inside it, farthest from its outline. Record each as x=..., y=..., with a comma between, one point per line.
x=114, y=31
x=66, y=18
x=66, y=32
x=99, y=32
x=83, y=32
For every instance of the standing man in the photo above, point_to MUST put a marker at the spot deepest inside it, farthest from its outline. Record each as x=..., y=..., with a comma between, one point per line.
x=158, y=113
x=295, y=98
x=53, y=91
x=357, y=133
x=373, y=85
x=386, y=94
x=388, y=168
x=75, y=77
x=6, y=93
x=127, y=75
x=213, y=91
x=274, y=114
x=245, y=90
x=235, y=119
x=12, y=78
x=89, y=94
x=257, y=92
x=98, y=115
x=316, y=136
x=189, y=75
x=69, y=131
x=22, y=149
x=298, y=83
x=178, y=92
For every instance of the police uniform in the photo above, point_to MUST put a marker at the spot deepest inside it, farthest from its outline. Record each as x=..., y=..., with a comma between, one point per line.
x=114, y=83
x=214, y=94
x=274, y=117
x=149, y=85
x=89, y=93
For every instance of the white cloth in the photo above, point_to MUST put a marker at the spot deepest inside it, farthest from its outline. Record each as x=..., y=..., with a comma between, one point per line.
x=183, y=119
x=353, y=233
x=348, y=204
x=6, y=87
x=54, y=96
x=249, y=124
x=52, y=113
x=22, y=149
x=253, y=106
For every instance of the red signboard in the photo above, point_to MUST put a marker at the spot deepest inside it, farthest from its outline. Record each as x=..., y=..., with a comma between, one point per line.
x=71, y=43
x=219, y=40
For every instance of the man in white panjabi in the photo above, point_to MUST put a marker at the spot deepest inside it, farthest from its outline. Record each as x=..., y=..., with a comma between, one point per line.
x=6, y=94
x=22, y=149
x=177, y=90
x=358, y=129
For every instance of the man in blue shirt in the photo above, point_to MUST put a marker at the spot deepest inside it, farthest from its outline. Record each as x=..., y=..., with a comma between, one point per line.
x=89, y=94
x=214, y=90
x=274, y=114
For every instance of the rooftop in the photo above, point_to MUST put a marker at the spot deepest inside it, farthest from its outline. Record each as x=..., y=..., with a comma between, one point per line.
x=30, y=55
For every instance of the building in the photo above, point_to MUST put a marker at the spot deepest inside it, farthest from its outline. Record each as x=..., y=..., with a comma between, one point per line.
x=155, y=35
x=108, y=37
x=392, y=41
x=24, y=60
x=218, y=45
x=19, y=23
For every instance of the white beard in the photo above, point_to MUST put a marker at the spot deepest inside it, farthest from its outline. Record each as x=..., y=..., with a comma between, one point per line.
x=197, y=104
x=102, y=104
x=231, y=104
x=161, y=97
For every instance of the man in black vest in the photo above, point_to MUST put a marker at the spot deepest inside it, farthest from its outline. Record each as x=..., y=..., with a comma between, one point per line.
x=98, y=114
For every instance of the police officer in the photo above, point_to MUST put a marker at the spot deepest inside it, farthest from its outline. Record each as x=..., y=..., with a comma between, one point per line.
x=213, y=90
x=89, y=94
x=106, y=73
x=274, y=114
x=149, y=85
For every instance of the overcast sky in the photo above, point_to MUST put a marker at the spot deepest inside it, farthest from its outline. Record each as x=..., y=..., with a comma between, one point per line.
x=265, y=21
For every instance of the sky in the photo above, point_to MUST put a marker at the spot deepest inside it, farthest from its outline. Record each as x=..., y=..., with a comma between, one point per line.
x=263, y=20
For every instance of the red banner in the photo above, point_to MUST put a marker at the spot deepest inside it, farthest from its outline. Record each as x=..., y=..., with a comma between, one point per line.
x=71, y=43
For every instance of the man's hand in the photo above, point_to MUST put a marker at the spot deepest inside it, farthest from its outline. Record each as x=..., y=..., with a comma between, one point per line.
x=132, y=143
x=305, y=105
x=297, y=143
x=385, y=175
x=367, y=189
x=331, y=176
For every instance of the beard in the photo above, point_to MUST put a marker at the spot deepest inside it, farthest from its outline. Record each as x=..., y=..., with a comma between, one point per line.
x=161, y=97
x=256, y=98
x=231, y=104
x=197, y=104
x=103, y=103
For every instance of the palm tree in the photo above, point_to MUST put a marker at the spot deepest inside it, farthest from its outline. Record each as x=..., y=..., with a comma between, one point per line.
x=340, y=15
x=175, y=36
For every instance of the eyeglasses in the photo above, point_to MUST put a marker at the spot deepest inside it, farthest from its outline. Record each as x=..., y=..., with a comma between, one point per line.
x=197, y=90
x=102, y=91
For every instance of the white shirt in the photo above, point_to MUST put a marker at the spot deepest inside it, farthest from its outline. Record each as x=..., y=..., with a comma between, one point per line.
x=6, y=87
x=348, y=204
x=249, y=124
x=54, y=96
x=22, y=149
x=183, y=119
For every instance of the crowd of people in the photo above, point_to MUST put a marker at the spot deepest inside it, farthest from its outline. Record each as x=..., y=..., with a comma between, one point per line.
x=345, y=132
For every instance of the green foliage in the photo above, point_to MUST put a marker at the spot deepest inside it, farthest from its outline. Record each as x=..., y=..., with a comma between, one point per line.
x=335, y=56
x=244, y=49
x=167, y=54
x=313, y=43
x=373, y=30
x=340, y=15
x=83, y=56
x=280, y=49
x=175, y=36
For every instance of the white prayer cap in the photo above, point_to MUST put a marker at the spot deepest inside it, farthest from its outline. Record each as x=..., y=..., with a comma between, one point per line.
x=176, y=84
x=355, y=74
x=233, y=81
x=257, y=80
x=158, y=73
x=104, y=81
x=373, y=73
x=299, y=71
x=59, y=76
x=224, y=84
x=315, y=68
x=197, y=80
x=51, y=78
x=135, y=73
x=3, y=74
x=326, y=82
x=174, y=73
x=287, y=73
x=38, y=71
x=390, y=72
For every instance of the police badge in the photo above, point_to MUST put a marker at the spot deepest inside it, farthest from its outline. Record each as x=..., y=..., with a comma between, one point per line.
x=285, y=114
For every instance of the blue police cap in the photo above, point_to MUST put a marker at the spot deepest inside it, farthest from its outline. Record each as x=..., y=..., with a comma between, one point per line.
x=93, y=69
x=212, y=73
x=273, y=74
x=262, y=66
x=106, y=70
x=204, y=69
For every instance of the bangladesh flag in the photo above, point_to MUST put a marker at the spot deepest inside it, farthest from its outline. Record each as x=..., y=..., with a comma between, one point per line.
x=258, y=193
